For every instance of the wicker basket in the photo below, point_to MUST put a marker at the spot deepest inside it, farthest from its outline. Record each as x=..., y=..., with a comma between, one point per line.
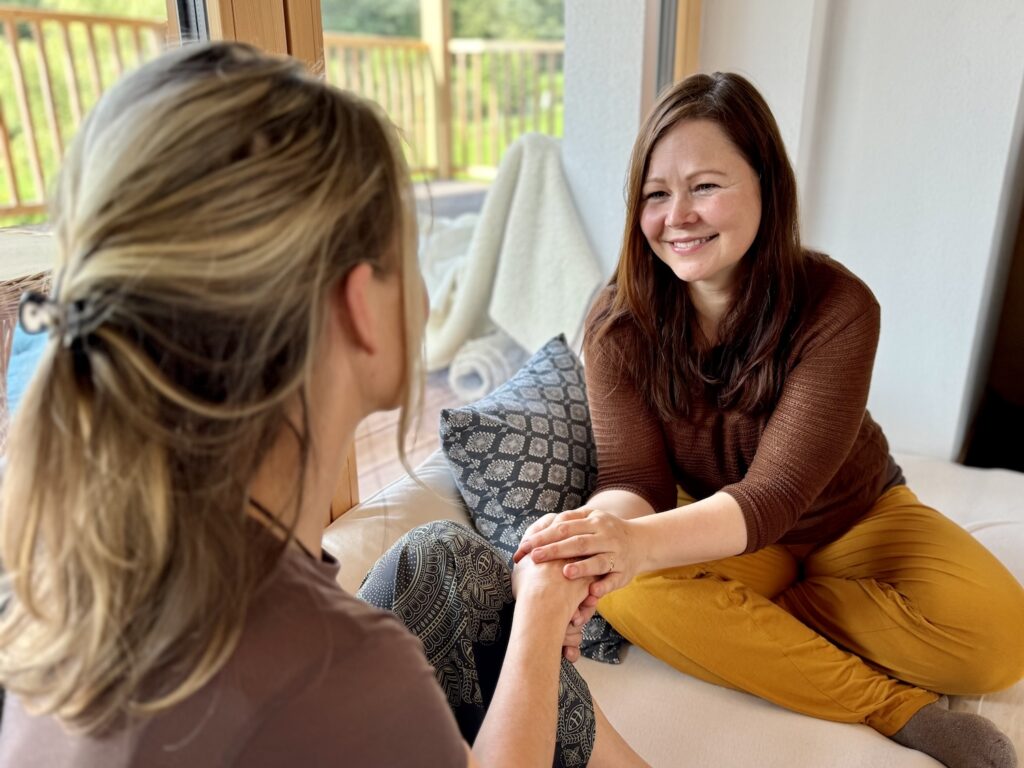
x=10, y=295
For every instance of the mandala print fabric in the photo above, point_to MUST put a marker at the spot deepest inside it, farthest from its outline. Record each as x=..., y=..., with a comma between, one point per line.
x=525, y=450
x=453, y=590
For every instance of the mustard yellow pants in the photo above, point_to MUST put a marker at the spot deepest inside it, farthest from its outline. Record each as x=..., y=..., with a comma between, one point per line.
x=863, y=629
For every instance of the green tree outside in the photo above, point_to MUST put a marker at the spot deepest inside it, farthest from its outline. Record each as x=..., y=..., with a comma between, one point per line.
x=138, y=9
x=489, y=19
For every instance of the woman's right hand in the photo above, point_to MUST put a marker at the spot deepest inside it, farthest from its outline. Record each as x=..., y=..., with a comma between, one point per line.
x=583, y=611
x=538, y=525
x=545, y=581
x=591, y=543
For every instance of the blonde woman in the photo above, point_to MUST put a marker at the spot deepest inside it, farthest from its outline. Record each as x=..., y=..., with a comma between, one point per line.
x=236, y=288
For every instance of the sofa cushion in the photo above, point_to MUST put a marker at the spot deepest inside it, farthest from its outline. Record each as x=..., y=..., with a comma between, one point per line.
x=525, y=450
x=359, y=537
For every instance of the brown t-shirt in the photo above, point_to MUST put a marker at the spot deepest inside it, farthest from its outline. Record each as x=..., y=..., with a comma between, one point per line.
x=801, y=473
x=319, y=678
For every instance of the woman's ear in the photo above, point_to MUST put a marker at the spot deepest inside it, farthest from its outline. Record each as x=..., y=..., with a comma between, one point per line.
x=352, y=308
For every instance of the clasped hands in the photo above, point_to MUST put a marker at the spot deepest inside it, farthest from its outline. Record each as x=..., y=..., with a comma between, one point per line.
x=590, y=544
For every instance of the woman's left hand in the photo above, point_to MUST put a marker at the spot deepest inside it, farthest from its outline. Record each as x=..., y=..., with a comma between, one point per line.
x=597, y=544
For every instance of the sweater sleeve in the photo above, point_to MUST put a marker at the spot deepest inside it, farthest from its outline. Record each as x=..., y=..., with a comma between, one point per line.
x=813, y=427
x=631, y=452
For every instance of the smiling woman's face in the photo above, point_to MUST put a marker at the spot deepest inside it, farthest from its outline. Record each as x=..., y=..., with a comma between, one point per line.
x=701, y=204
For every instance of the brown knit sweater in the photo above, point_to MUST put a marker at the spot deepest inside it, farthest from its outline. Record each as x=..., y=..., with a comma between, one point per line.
x=805, y=471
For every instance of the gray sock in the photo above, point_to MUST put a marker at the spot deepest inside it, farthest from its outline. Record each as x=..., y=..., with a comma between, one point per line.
x=957, y=739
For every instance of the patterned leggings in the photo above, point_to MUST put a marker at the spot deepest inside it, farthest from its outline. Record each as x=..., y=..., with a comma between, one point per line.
x=453, y=590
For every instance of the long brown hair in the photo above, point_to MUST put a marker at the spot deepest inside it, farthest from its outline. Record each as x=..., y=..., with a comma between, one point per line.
x=647, y=303
x=205, y=210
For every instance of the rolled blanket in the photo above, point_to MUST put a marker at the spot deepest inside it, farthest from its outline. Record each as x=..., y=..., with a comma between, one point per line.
x=444, y=248
x=484, y=364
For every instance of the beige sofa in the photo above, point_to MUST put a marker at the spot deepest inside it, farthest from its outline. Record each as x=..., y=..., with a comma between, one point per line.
x=676, y=720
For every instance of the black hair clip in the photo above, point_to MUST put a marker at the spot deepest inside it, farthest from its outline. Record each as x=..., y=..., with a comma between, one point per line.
x=71, y=322
x=38, y=313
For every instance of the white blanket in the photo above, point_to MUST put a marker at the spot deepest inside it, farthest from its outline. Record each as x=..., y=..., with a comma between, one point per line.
x=483, y=365
x=528, y=268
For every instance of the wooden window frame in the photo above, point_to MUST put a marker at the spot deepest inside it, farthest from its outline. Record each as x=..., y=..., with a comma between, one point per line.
x=686, y=59
x=292, y=27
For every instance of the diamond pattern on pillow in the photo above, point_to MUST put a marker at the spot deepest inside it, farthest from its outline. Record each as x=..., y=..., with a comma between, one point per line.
x=525, y=450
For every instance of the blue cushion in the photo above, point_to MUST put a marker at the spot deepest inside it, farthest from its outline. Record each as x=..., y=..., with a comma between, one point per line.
x=26, y=350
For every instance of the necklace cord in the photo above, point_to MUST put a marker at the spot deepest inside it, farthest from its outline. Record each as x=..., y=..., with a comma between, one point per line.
x=275, y=523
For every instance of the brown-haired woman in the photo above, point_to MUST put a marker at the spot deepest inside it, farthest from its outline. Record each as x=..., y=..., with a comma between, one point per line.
x=725, y=359
x=236, y=288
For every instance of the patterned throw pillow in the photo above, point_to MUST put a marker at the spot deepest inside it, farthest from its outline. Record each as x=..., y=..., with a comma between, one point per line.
x=525, y=450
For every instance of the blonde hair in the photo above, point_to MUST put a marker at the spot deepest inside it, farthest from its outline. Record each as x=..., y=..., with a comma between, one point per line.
x=208, y=203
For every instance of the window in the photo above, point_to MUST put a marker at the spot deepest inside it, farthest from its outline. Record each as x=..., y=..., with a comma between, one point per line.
x=462, y=79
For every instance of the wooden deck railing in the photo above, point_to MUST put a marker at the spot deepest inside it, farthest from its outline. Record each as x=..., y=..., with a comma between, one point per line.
x=395, y=72
x=54, y=66
x=502, y=89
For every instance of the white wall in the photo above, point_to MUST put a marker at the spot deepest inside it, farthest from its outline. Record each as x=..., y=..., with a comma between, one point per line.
x=905, y=122
x=610, y=67
x=744, y=37
x=917, y=120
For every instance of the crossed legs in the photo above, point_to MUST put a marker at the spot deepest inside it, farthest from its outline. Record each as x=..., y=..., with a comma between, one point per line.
x=864, y=629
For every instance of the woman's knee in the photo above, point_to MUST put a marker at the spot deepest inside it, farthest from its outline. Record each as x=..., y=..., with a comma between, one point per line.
x=454, y=544
x=996, y=661
x=1003, y=662
x=986, y=674
x=439, y=561
x=997, y=649
x=446, y=534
